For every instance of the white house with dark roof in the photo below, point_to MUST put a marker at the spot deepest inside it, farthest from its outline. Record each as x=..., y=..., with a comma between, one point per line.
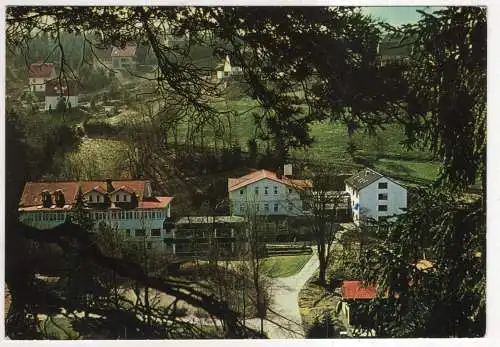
x=373, y=195
x=266, y=194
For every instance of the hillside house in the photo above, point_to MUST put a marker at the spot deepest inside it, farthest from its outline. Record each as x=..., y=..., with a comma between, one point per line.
x=393, y=49
x=127, y=206
x=39, y=74
x=124, y=58
x=103, y=57
x=266, y=194
x=228, y=70
x=65, y=90
x=374, y=196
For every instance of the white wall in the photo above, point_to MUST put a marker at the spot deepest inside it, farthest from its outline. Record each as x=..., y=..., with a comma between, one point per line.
x=53, y=100
x=143, y=220
x=368, y=200
x=283, y=198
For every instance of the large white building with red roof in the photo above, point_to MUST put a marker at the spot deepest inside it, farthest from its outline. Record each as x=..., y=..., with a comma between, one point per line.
x=123, y=58
x=61, y=89
x=265, y=193
x=39, y=74
x=128, y=206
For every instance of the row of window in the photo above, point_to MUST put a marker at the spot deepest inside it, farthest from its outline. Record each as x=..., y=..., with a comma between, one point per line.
x=128, y=215
x=266, y=205
x=142, y=232
x=53, y=216
x=118, y=198
x=266, y=190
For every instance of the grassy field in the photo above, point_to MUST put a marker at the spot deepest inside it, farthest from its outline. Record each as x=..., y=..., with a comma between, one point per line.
x=284, y=266
x=383, y=152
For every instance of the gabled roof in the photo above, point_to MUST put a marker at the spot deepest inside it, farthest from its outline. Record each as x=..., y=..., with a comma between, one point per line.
x=236, y=183
x=31, y=196
x=363, y=178
x=37, y=70
x=123, y=189
x=63, y=87
x=97, y=189
x=356, y=290
x=128, y=51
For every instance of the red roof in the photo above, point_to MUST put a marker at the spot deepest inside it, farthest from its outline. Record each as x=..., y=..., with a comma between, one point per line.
x=40, y=70
x=123, y=188
x=61, y=87
x=128, y=51
x=32, y=197
x=98, y=189
x=236, y=183
x=356, y=290
x=158, y=202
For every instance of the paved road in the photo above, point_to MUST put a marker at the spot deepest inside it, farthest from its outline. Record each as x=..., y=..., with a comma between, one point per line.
x=284, y=322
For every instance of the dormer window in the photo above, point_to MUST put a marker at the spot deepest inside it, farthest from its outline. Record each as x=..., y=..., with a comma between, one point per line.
x=91, y=198
x=117, y=198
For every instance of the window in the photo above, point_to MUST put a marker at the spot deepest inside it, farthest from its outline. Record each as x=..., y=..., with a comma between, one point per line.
x=91, y=198
x=257, y=207
x=382, y=196
x=242, y=191
x=117, y=198
x=382, y=185
x=266, y=207
x=290, y=191
x=256, y=190
x=98, y=198
x=382, y=207
x=265, y=190
x=242, y=207
x=275, y=207
x=275, y=190
x=156, y=232
x=149, y=245
x=127, y=233
x=290, y=206
x=140, y=232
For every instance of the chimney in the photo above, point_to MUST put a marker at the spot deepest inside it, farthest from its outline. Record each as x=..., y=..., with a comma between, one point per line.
x=59, y=198
x=46, y=199
x=109, y=185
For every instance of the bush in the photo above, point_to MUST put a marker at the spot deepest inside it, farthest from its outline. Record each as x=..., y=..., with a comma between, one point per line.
x=325, y=327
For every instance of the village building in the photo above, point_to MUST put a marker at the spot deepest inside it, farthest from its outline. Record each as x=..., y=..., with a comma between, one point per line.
x=375, y=196
x=124, y=58
x=39, y=74
x=61, y=90
x=264, y=193
x=226, y=70
x=127, y=206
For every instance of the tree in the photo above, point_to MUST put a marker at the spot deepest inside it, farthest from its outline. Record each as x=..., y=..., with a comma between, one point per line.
x=325, y=204
x=431, y=261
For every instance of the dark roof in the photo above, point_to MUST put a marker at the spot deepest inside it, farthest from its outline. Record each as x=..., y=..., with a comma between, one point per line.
x=363, y=178
x=395, y=47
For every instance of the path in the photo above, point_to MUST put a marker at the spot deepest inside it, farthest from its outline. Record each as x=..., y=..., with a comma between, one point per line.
x=285, y=322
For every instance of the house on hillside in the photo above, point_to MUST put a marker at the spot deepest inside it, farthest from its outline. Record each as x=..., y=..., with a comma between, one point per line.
x=57, y=90
x=226, y=70
x=393, y=49
x=128, y=206
x=374, y=196
x=39, y=74
x=266, y=193
x=124, y=58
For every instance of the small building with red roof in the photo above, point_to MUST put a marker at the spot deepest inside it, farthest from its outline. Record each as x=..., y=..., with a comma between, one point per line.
x=264, y=192
x=39, y=74
x=128, y=206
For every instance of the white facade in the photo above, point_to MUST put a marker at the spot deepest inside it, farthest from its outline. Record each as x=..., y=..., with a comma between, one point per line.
x=123, y=63
x=381, y=198
x=51, y=101
x=267, y=198
x=228, y=70
x=37, y=84
x=134, y=225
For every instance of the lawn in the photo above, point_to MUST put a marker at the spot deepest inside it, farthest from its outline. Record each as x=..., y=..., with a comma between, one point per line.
x=58, y=328
x=284, y=266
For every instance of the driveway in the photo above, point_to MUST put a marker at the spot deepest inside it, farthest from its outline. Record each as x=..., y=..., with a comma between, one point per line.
x=284, y=321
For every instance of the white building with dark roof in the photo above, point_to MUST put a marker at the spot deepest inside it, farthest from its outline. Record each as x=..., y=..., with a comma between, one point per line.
x=375, y=196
